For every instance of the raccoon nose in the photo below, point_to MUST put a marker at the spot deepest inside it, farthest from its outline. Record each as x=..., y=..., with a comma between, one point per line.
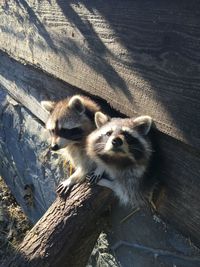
x=116, y=142
x=54, y=147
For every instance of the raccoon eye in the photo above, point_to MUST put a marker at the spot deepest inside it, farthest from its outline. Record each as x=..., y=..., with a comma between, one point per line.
x=126, y=135
x=52, y=131
x=63, y=131
x=109, y=133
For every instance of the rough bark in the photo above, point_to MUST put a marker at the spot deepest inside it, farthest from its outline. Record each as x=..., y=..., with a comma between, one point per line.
x=66, y=234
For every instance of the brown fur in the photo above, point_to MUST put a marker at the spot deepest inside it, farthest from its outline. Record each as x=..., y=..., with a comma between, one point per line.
x=71, y=114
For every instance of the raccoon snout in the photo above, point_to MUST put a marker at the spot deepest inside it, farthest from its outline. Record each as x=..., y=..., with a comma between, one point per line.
x=117, y=142
x=55, y=147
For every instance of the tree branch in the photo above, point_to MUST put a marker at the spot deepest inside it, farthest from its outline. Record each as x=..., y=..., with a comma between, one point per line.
x=66, y=234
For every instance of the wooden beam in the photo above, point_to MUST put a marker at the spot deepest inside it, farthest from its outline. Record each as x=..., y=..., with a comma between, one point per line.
x=179, y=197
x=141, y=57
x=29, y=86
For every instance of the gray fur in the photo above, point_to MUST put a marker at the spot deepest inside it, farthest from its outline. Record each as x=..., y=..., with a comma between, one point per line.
x=125, y=170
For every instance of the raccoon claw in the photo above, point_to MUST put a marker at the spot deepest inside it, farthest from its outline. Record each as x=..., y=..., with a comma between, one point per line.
x=93, y=178
x=63, y=189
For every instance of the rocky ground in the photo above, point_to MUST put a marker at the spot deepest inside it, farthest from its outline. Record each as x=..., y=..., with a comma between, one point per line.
x=13, y=223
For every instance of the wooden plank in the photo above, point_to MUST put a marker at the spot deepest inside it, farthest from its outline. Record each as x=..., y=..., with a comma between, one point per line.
x=142, y=57
x=179, y=163
x=179, y=198
x=32, y=87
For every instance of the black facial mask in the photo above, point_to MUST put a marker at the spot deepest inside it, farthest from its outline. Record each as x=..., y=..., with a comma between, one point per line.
x=74, y=134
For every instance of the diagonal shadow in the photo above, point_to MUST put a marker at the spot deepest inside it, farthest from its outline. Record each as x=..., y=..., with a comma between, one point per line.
x=38, y=24
x=163, y=49
x=95, y=44
x=97, y=47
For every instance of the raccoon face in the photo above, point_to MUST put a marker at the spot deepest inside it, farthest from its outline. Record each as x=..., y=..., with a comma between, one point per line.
x=69, y=121
x=121, y=142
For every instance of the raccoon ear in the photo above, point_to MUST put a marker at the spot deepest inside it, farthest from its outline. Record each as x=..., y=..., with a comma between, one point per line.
x=101, y=119
x=48, y=105
x=143, y=124
x=77, y=103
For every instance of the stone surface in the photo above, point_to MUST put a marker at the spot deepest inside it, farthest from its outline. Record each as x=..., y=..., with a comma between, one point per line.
x=142, y=240
x=28, y=167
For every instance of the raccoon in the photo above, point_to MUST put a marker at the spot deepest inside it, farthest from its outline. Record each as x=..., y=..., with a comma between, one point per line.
x=70, y=121
x=121, y=148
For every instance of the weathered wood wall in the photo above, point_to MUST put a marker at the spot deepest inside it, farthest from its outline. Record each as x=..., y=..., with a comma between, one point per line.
x=145, y=53
x=142, y=57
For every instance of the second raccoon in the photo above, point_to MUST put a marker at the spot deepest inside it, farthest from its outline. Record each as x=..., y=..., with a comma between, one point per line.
x=121, y=149
x=70, y=121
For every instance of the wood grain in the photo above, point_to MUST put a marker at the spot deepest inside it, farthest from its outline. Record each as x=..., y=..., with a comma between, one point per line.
x=140, y=56
x=29, y=86
x=179, y=197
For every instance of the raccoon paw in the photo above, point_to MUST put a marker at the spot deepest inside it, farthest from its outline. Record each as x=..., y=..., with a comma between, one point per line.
x=93, y=178
x=64, y=188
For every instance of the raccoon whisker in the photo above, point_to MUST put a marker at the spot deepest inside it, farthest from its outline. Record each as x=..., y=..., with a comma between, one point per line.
x=133, y=148
x=97, y=146
x=147, y=149
x=150, y=150
x=100, y=145
x=98, y=149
